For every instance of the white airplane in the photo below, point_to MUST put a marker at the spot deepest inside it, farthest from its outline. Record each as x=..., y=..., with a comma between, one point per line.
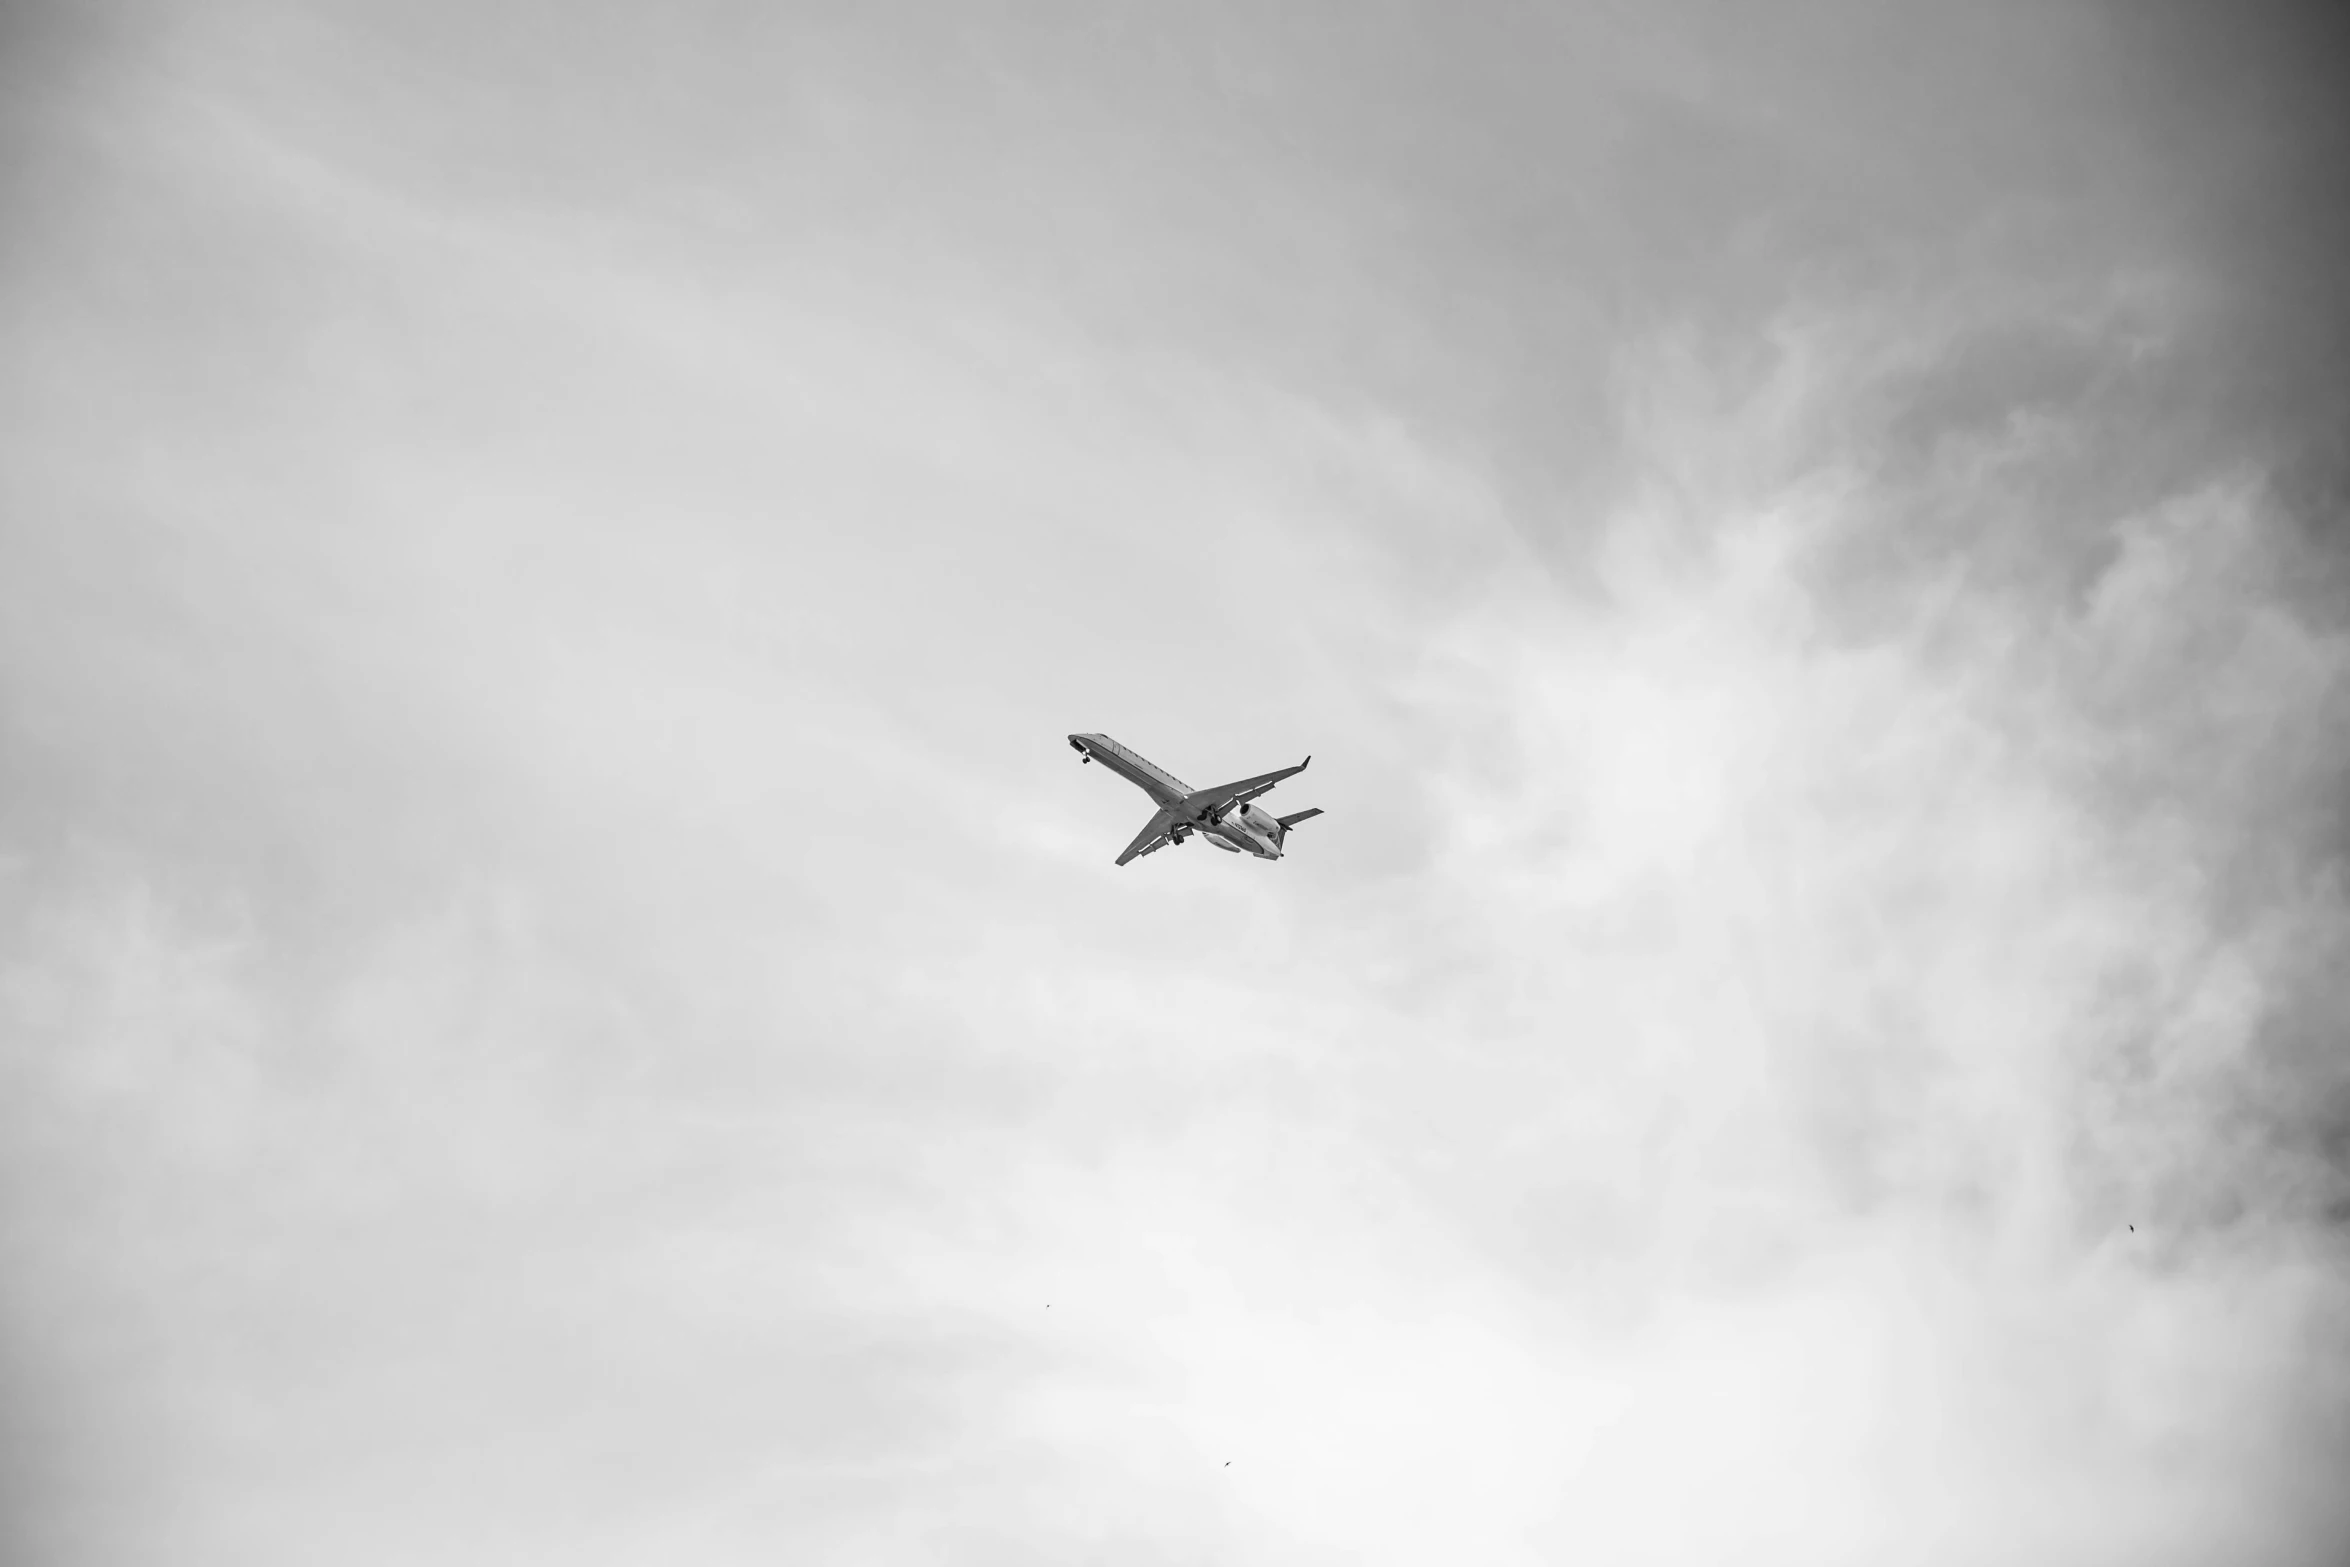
x=1222, y=815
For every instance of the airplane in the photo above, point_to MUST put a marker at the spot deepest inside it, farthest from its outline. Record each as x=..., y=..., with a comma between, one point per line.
x=1223, y=815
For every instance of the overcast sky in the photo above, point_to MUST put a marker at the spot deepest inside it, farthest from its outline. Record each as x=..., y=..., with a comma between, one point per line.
x=562, y=997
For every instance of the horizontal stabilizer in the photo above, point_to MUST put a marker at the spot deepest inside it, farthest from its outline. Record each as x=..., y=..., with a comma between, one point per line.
x=1295, y=817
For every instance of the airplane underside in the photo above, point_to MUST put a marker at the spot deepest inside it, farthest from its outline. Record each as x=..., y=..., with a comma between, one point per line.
x=1212, y=833
x=1226, y=814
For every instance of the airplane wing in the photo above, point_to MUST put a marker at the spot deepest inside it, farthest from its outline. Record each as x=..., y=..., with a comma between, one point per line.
x=1151, y=839
x=1224, y=796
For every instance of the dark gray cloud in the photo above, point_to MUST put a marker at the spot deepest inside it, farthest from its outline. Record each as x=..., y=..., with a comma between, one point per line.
x=2241, y=116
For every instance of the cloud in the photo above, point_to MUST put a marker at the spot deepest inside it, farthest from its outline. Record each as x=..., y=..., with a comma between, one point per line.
x=551, y=999
x=1949, y=948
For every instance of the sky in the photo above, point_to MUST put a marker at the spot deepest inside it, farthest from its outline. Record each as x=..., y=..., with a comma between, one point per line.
x=563, y=997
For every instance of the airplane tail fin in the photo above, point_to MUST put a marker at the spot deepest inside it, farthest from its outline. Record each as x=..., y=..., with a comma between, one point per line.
x=1293, y=818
